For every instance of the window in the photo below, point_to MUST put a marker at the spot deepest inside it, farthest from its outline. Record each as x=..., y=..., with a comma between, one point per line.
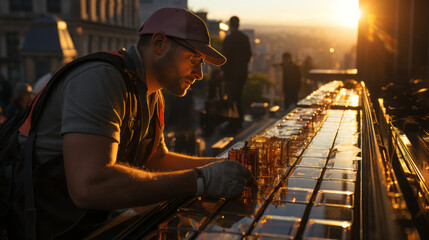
x=21, y=5
x=12, y=45
x=54, y=6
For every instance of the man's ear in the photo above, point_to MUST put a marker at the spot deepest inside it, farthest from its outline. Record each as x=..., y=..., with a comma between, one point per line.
x=159, y=42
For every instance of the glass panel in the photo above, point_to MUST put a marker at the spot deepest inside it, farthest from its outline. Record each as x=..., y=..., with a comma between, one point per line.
x=243, y=206
x=185, y=221
x=340, y=174
x=279, y=208
x=312, y=162
x=331, y=213
x=170, y=234
x=345, y=151
x=316, y=153
x=209, y=205
x=331, y=124
x=305, y=172
x=338, y=186
x=321, y=142
x=347, y=130
x=343, y=163
x=291, y=195
x=299, y=183
x=277, y=226
x=329, y=230
x=352, y=140
x=230, y=222
x=334, y=199
x=218, y=235
x=326, y=135
x=314, y=146
x=259, y=237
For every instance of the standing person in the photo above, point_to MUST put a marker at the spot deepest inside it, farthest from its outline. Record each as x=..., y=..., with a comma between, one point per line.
x=89, y=167
x=291, y=80
x=307, y=83
x=236, y=48
x=22, y=95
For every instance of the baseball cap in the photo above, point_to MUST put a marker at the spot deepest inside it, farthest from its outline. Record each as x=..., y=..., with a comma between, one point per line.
x=185, y=25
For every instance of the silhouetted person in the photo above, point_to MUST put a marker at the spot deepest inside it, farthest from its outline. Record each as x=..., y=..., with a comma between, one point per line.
x=307, y=83
x=291, y=80
x=22, y=95
x=236, y=48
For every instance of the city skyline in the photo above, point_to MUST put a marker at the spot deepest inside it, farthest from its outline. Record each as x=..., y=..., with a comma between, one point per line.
x=333, y=13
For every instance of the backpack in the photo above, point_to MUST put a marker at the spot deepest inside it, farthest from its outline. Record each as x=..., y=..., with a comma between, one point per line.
x=17, y=179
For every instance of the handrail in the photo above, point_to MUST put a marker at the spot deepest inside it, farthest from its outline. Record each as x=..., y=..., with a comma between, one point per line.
x=376, y=220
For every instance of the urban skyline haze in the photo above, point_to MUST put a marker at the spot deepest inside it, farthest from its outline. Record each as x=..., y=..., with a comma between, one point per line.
x=332, y=13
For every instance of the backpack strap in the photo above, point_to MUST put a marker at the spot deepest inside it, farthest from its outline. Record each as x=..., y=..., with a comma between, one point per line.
x=121, y=61
x=30, y=209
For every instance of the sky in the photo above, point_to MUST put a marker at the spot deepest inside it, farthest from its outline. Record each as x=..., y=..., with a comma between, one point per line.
x=337, y=13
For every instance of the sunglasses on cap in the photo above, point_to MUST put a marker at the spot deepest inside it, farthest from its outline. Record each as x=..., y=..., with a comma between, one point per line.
x=195, y=59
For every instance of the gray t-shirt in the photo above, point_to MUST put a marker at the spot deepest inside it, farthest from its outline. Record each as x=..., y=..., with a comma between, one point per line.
x=90, y=99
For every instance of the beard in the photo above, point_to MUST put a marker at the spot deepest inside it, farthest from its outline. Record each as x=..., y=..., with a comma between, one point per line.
x=167, y=73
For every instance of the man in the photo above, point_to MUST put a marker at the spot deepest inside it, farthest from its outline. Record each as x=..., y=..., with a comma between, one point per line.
x=291, y=80
x=83, y=173
x=22, y=96
x=236, y=48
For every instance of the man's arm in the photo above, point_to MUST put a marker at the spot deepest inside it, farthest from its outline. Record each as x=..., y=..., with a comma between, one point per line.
x=96, y=181
x=163, y=160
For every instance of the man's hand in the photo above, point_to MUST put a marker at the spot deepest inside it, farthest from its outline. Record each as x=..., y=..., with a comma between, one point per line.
x=225, y=178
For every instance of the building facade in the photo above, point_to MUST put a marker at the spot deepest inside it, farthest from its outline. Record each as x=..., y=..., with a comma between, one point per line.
x=393, y=42
x=93, y=25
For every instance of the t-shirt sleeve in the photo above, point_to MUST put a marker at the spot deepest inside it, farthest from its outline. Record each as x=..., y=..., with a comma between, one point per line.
x=94, y=101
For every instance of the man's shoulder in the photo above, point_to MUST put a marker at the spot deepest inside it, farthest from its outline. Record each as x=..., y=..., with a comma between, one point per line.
x=94, y=65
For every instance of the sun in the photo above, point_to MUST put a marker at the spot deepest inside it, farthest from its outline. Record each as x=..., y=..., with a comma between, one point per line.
x=348, y=13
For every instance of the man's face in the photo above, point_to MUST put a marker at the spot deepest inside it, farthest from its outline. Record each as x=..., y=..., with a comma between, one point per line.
x=175, y=71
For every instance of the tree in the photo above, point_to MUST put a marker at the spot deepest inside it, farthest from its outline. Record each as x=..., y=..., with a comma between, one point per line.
x=253, y=88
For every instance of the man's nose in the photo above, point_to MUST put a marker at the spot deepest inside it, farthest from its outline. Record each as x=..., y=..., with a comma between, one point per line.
x=197, y=72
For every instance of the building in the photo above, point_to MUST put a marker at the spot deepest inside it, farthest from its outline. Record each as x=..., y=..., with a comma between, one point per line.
x=93, y=26
x=393, y=42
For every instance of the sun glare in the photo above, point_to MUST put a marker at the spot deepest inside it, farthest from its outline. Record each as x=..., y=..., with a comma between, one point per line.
x=348, y=13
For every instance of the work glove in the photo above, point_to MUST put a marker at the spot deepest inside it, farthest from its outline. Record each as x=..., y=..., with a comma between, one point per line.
x=224, y=178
